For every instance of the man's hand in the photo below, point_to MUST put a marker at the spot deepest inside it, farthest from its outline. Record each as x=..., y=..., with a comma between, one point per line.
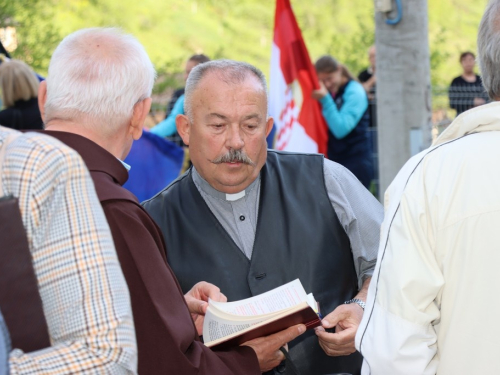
x=321, y=92
x=267, y=348
x=370, y=83
x=197, y=301
x=345, y=319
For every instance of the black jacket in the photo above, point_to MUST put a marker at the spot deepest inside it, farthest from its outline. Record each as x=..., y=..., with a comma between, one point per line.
x=24, y=115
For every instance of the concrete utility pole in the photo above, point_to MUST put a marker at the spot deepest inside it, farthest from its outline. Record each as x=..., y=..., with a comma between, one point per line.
x=403, y=86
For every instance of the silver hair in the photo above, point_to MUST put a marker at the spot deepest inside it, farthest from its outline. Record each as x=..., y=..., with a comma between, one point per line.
x=229, y=71
x=96, y=76
x=488, y=45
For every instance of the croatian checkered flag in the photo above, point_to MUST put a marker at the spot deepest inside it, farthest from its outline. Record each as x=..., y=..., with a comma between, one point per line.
x=300, y=126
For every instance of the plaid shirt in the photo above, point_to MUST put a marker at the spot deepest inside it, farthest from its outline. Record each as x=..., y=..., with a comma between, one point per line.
x=84, y=295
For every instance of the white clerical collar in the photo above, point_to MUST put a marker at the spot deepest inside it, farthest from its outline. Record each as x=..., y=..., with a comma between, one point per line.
x=235, y=197
x=203, y=185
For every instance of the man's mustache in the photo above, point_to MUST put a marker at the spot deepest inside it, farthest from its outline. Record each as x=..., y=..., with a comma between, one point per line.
x=234, y=156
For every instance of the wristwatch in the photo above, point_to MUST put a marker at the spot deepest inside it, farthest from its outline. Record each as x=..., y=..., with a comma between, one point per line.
x=356, y=300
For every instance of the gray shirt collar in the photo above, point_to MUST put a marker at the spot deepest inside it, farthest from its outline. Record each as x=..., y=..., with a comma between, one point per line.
x=203, y=185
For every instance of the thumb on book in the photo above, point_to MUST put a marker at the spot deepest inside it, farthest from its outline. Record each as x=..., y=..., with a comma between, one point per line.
x=196, y=306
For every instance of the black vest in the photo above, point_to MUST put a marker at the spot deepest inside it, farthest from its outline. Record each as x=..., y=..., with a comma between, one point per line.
x=298, y=236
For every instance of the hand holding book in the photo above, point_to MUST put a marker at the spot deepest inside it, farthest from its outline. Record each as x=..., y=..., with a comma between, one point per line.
x=234, y=323
x=267, y=348
x=197, y=301
x=346, y=320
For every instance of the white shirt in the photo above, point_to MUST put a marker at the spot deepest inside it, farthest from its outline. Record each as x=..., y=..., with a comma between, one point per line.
x=432, y=303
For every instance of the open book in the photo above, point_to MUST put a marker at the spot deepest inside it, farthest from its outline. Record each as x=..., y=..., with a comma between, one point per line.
x=233, y=323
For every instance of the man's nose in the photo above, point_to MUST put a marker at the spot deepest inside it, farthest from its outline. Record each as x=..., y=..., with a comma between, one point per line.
x=235, y=138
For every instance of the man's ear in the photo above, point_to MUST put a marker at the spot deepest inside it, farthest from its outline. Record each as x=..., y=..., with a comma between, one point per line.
x=141, y=110
x=42, y=98
x=183, y=127
x=269, y=125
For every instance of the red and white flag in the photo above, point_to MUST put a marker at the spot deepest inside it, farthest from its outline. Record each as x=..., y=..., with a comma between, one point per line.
x=300, y=126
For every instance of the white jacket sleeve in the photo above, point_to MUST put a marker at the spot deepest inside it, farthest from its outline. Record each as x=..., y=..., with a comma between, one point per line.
x=397, y=334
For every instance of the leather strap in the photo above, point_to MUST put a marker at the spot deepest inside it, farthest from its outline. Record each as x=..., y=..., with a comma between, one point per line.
x=20, y=300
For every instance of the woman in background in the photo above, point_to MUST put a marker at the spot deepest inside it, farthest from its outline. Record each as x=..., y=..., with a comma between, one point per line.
x=19, y=86
x=466, y=91
x=344, y=106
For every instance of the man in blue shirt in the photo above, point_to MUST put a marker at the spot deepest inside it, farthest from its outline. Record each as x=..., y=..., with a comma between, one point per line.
x=167, y=128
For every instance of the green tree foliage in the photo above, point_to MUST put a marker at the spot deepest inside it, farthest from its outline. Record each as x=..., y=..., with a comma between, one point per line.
x=37, y=35
x=172, y=30
x=453, y=26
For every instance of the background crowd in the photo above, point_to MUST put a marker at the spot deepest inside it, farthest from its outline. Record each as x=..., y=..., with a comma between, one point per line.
x=122, y=287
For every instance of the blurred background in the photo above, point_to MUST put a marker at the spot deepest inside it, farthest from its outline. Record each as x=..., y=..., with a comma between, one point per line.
x=173, y=30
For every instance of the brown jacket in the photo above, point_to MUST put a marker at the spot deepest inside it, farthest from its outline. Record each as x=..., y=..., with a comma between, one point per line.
x=166, y=336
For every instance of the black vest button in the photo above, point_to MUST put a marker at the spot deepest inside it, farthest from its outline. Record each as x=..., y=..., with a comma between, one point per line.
x=261, y=276
x=281, y=367
x=242, y=217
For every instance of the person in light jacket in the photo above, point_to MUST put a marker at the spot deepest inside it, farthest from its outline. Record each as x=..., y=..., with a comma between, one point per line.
x=432, y=306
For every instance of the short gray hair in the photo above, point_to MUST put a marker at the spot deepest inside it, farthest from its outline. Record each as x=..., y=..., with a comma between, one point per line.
x=488, y=45
x=96, y=76
x=229, y=71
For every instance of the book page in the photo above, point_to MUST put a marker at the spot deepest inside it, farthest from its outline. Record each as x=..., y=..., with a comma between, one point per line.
x=311, y=301
x=283, y=297
x=215, y=327
x=224, y=319
x=277, y=321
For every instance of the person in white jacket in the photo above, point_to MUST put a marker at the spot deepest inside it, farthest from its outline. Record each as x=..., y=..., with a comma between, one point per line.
x=432, y=306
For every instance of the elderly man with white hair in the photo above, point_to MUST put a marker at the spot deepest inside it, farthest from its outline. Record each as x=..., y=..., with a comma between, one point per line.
x=431, y=305
x=95, y=99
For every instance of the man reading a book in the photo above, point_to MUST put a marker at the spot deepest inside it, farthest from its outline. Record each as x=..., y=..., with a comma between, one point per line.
x=248, y=219
x=95, y=100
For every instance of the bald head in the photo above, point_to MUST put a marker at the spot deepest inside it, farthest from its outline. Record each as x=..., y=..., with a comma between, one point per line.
x=96, y=76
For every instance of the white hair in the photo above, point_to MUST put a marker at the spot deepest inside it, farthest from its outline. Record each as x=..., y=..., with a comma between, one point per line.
x=488, y=45
x=96, y=76
x=229, y=71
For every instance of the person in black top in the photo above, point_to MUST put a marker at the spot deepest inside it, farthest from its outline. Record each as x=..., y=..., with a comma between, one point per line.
x=19, y=86
x=466, y=91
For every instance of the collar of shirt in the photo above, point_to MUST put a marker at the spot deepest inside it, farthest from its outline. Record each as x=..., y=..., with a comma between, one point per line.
x=96, y=158
x=127, y=167
x=208, y=189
